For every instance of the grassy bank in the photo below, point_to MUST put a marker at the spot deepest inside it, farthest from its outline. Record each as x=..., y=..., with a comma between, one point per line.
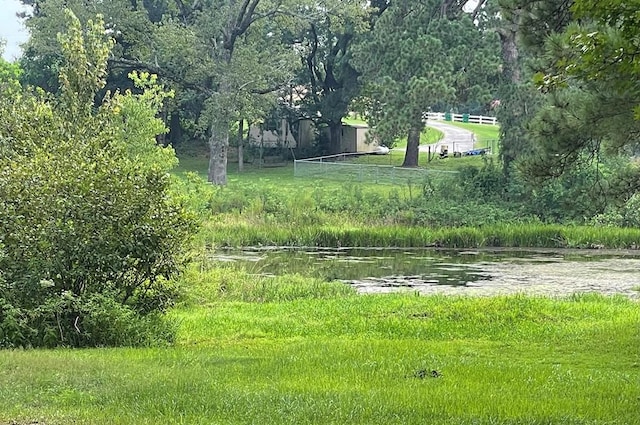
x=350, y=359
x=498, y=235
x=271, y=207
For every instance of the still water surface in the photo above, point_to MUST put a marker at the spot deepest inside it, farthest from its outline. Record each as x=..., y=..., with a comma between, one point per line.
x=481, y=272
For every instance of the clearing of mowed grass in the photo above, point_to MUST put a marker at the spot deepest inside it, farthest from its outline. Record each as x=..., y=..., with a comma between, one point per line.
x=343, y=358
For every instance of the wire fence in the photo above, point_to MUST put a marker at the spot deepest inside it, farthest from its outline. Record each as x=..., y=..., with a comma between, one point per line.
x=492, y=146
x=341, y=167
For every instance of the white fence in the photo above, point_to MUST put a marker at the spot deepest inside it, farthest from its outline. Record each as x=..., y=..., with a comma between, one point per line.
x=447, y=116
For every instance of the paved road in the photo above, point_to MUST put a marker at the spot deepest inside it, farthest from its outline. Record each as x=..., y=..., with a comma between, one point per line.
x=455, y=138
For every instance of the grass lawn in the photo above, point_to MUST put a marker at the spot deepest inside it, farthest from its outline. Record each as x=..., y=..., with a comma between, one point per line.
x=284, y=174
x=395, y=158
x=284, y=178
x=427, y=137
x=347, y=359
x=482, y=131
x=354, y=121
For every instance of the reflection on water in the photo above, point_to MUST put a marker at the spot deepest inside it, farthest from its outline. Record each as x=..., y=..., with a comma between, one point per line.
x=436, y=266
x=435, y=270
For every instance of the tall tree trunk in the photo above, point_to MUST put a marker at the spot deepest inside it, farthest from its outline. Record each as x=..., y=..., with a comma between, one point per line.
x=175, y=129
x=413, y=146
x=335, y=137
x=241, y=146
x=511, y=130
x=162, y=139
x=511, y=68
x=218, y=149
x=261, y=152
x=219, y=140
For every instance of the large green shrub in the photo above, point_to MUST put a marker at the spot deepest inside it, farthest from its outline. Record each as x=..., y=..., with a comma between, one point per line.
x=90, y=235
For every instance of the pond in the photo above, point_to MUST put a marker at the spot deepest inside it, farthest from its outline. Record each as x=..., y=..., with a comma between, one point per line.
x=477, y=272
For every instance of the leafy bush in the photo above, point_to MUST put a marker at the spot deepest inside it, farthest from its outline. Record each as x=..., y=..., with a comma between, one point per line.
x=627, y=215
x=91, y=235
x=486, y=182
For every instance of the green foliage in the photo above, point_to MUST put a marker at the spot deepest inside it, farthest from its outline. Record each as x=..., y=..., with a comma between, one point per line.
x=598, y=45
x=91, y=235
x=271, y=207
x=140, y=122
x=9, y=75
x=518, y=103
x=627, y=215
x=329, y=78
x=589, y=74
x=419, y=56
x=205, y=284
x=484, y=183
x=405, y=69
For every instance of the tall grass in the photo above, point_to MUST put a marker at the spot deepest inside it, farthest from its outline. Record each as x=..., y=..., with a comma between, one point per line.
x=272, y=208
x=498, y=235
x=203, y=284
x=396, y=157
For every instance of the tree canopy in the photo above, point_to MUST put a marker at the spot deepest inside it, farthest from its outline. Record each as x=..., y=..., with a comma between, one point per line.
x=592, y=91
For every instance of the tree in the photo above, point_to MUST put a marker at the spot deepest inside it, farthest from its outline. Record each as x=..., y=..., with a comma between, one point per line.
x=473, y=47
x=221, y=57
x=328, y=81
x=90, y=235
x=592, y=59
x=246, y=60
x=420, y=54
x=142, y=38
x=584, y=120
x=522, y=25
x=600, y=46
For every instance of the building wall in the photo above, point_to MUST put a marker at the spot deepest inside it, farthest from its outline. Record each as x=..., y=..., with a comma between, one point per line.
x=363, y=146
x=306, y=133
x=349, y=139
x=273, y=139
x=354, y=139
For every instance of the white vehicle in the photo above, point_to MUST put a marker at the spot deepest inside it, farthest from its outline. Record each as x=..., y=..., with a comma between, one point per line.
x=381, y=150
